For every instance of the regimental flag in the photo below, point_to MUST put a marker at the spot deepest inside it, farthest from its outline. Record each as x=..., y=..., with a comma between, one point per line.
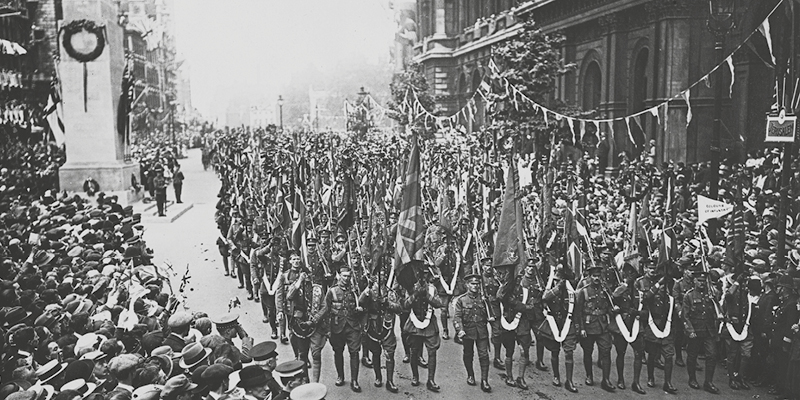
x=283, y=219
x=410, y=237
x=53, y=113
x=667, y=249
x=126, y=100
x=298, y=220
x=347, y=210
x=509, y=248
x=709, y=208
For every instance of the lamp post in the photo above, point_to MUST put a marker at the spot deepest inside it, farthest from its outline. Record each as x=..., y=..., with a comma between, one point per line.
x=720, y=22
x=280, y=110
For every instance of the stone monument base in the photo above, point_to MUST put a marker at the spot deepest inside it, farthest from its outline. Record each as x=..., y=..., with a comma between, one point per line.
x=114, y=178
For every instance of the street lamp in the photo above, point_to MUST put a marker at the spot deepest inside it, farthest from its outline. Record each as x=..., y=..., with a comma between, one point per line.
x=720, y=22
x=280, y=110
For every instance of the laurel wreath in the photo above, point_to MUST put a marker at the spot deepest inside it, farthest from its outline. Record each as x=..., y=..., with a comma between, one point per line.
x=76, y=26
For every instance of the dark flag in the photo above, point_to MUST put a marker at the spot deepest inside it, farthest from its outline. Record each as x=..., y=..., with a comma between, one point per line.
x=298, y=220
x=410, y=237
x=53, y=113
x=509, y=249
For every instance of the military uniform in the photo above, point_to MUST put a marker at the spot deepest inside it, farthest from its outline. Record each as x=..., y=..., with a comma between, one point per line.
x=346, y=325
x=445, y=262
x=470, y=315
x=491, y=285
x=525, y=301
x=294, y=299
x=656, y=305
x=381, y=314
x=739, y=306
x=268, y=268
x=594, y=314
x=628, y=300
x=699, y=318
x=556, y=301
x=679, y=289
x=427, y=333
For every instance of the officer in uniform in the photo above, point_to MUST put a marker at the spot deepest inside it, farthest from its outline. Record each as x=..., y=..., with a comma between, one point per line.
x=445, y=263
x=346, y=325
x=421, y=325
x=700, y=323
x=268, y=268
x=659, y=340
x=559, y=304
x=470, y=317
x=739, y=306
x=679, y=289
x=629, y=302
x=294, y=298
x=321, y=326
x=382, y=305
x=594, y=307
x=491, y=285
x=524, y=308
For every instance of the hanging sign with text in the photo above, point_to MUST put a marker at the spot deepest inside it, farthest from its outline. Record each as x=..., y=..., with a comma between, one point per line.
x=781, y=129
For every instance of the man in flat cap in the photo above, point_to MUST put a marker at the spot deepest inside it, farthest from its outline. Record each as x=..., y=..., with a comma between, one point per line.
x=122, y=368
x=178, y=387
x=179, y=324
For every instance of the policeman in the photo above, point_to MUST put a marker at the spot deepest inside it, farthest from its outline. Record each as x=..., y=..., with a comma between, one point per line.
x=346, y=325
x=594, y=308
x=559, y=328
x=700, y=323
x=627, y=328
x=382, y=305
x=421, y=325
x=657, y=312
x=470, y=317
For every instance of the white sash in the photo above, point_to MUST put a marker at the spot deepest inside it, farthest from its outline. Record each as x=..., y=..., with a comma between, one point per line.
x=272, y=287
x=631, y=336
x=512, y=325
x=561, y=334
x=449, y=289
x=668, y=326
x=739, y=336
x=425, y=322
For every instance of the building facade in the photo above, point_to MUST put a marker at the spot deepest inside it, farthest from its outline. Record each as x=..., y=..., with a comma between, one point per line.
x=630, y=55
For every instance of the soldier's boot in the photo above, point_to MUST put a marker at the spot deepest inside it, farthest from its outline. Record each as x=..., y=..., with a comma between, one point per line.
x=651, y=370
x=605, y=364
x=523, y=364
x=742, y=370
x=540, y=356
x=497, y=362
x=470, y=372
x=445, y=328
x=390, y=386
x=510, y=372
x=354, y=364
x=338, y=362
x=414, y=369
x=376, y=367
x=620, y=363
x=432, y=386
x=365, y=359
x=556, y=371
x=733, y=381
x=711, y=366
x=637, y=374
x=691, y=368
x=587, y=366
x=668, y=367
x=485, y=375
x=316, y=366
x=569, y=364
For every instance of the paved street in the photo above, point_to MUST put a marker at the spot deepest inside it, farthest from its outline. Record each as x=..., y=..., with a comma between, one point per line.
x=190, y=241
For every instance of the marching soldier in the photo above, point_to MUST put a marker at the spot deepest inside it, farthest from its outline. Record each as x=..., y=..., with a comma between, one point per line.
x=491, y=285
x=627, y=329
x=421, y=326
x=267, y=268
x=657, y=312
x=558, y=330
x=469, y=319
x=525, y=308
x=739, y=304
x=294, y=298
x=679, y=289
x=594, y=308
x=762, y=321
x=786, y=315
x=321, y=327
x=700, y=322
x=341, y=302
x=382, y=305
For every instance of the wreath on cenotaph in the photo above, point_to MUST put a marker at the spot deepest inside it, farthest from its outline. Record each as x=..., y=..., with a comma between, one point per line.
x=91, y=27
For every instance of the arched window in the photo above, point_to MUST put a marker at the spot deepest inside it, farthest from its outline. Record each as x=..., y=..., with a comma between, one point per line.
x=592, y=80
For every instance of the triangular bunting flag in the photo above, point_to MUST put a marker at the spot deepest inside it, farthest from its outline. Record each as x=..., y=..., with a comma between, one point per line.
x=708, y=208
x=571, y=124
x=765, y=30
x=686, y=94
x=729, y=60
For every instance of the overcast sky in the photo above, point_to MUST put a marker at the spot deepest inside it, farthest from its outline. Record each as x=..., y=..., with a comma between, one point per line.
x=239, y=47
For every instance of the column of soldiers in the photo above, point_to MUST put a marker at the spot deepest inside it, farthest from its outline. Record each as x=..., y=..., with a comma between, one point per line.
x=332, y=293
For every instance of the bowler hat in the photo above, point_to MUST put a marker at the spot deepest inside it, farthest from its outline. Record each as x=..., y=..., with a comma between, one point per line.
x=252, y=376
